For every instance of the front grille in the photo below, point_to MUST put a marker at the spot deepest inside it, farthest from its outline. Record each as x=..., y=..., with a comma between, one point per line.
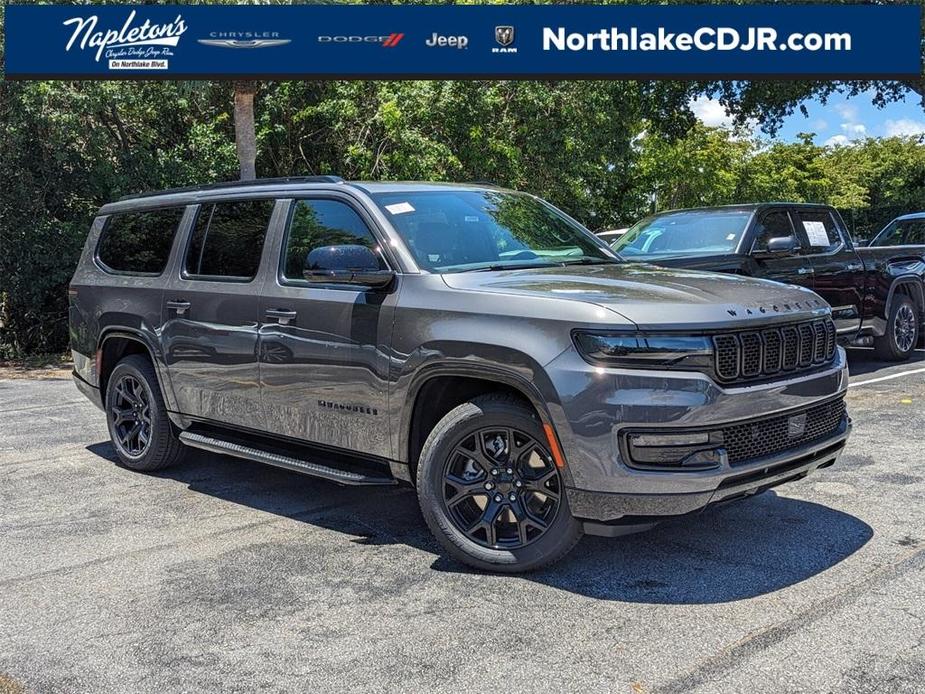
x=752, y=355
x=763, y=437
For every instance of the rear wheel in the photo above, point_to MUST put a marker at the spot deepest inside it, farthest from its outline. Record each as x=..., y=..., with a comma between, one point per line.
x=902, y=331
x=138, y=424
x=490, y=490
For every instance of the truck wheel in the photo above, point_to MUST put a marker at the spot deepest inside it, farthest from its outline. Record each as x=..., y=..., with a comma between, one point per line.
x=902, y=332
x=490, y=490
x=138, y=424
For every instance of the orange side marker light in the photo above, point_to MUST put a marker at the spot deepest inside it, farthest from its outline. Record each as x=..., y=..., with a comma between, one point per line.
x=554, y=445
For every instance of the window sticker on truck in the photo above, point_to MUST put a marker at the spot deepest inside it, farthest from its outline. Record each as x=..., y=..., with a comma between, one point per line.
x=818, y=237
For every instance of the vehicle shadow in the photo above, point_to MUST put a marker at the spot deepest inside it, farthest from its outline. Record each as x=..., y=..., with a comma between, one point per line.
x=861, y=361
x=733, y=552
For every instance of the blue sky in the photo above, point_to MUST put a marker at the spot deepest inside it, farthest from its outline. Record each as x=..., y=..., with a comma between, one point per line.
x=839, y=121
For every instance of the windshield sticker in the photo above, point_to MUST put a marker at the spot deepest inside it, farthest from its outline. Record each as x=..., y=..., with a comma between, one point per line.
x=818, y=237
x=400, y=208
x=730, y=237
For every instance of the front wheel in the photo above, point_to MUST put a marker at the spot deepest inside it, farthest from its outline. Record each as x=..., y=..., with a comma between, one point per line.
x=902, y=332
x=490, y=491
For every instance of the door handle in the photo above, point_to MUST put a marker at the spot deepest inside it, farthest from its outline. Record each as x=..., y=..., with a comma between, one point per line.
x=283, y=315
x=179, y=305
x=804, y=271
x=854, y=267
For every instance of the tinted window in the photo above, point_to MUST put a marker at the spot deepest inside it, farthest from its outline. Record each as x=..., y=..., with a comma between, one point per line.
x=819, y=228
x=139, y=241
x=228, y=239
x=317, y=223
x=773, y=225
x=464, y=230
x=902, y=232
x=691, y=232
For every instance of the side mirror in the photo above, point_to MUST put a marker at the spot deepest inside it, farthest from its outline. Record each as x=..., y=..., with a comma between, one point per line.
x=348, y=264
x=779, y=245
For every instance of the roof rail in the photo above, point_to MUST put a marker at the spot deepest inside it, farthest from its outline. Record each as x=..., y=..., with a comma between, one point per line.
x=235, y=184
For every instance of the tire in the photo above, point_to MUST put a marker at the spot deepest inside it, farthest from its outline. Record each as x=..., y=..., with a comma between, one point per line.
x=133, y=386
x=902, y=331
x=530, y=528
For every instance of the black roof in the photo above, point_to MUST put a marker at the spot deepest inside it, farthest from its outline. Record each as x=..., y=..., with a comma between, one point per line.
x=235, y=184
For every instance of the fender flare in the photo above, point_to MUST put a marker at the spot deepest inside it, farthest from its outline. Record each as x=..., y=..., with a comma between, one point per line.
x=916, y=281
x=145, y=340
x=481, y=371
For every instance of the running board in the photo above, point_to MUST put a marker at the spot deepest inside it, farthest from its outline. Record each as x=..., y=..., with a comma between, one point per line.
x=216, y=445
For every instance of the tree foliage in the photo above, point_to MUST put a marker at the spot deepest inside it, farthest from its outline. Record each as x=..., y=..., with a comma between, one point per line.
x=68, y=147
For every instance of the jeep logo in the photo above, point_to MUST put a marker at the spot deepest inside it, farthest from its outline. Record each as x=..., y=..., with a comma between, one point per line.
x=440, y=41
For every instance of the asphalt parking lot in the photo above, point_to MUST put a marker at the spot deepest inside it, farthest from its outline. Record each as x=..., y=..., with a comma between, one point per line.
x=226, y=575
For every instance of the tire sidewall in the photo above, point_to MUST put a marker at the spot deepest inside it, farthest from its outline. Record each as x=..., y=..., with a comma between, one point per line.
x=453, y=429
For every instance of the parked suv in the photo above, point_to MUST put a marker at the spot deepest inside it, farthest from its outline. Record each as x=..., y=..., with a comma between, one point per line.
x=473, y=341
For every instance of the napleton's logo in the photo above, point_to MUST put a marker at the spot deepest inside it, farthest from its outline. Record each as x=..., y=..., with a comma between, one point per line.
x=131, y=40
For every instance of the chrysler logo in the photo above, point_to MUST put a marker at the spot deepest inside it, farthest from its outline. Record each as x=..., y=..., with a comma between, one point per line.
x=244, y=43
x=504, y=35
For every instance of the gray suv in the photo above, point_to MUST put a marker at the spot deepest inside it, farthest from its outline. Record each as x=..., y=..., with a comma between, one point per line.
x=474, y=342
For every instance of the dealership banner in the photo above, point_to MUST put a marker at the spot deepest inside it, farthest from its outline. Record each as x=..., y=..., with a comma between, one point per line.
x=477, y=41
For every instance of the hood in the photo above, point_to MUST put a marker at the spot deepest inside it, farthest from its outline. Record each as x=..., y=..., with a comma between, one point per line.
x=657, y=298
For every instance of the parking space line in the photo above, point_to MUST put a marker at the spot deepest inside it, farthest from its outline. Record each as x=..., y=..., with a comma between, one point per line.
x=887, y=378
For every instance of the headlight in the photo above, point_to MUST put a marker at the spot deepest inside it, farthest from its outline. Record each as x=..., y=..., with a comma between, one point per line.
x=637, y=350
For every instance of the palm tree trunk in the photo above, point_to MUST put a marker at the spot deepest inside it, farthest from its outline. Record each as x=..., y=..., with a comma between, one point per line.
x=244, y=135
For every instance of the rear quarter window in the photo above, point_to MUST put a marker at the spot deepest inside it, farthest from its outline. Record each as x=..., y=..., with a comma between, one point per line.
x=139, y=242
x=227, y=240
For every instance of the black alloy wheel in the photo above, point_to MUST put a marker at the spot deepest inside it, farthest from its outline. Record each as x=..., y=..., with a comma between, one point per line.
x=489, y=489
x=902, y=331
x=136, y=415
x=501, y=488
x=130, y=411
x=905, y=329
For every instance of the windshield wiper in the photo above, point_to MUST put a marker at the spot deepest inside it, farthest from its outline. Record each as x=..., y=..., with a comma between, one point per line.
x=592, y=261
x=497, y=267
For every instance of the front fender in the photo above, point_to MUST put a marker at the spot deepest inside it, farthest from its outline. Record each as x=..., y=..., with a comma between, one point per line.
x=499, y=364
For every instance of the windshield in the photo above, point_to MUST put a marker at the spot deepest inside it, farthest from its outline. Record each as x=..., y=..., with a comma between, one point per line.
x=467, y=230
x=694, y=232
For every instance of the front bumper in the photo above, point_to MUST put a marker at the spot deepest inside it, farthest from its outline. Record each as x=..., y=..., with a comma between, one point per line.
x=744, y=481
x=603, y=405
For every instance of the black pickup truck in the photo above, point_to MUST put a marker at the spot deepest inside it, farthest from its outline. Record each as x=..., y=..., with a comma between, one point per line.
x=876, y=293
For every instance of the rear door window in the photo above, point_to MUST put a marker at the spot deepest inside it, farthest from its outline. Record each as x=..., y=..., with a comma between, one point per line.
x=227, y=240
x=139, y=243
x=820, y=230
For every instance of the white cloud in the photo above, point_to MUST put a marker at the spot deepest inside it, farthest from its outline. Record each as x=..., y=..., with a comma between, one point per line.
x=904, y=126
x=819, y=125
x=854, y=129
x=837, y=140
x=710, y=112
x=846, y=111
